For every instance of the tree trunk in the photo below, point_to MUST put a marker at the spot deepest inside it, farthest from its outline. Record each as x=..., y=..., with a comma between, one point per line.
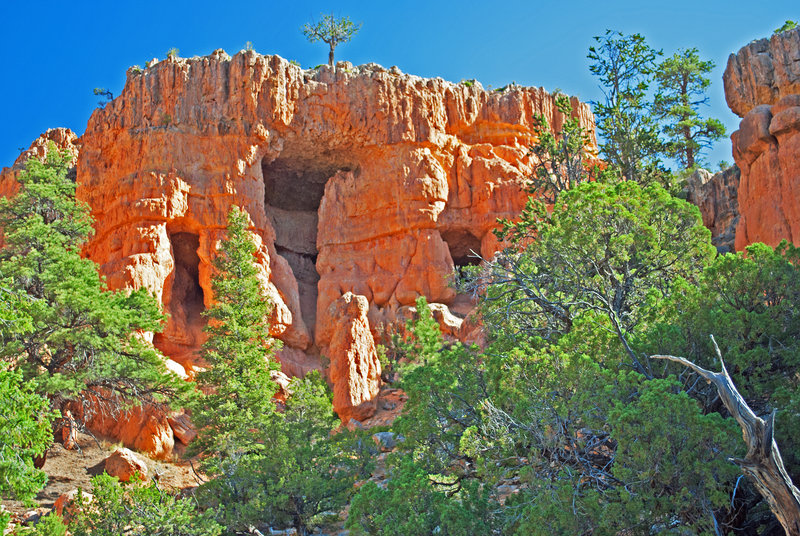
x=330, y=56
x=763, y=462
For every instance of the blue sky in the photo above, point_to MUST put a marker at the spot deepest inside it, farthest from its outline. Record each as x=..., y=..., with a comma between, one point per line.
x=55, y=53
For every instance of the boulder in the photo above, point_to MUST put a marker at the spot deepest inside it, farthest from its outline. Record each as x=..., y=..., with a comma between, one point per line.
x=182, y=427
x=124, y=464
x=64, y=502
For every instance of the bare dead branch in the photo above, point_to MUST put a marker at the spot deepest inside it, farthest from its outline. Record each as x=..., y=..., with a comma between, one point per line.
x=763, y=462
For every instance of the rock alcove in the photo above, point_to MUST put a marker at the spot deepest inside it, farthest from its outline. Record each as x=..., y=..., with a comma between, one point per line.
x=464, y=246
x=183, y=297
x=294, y=184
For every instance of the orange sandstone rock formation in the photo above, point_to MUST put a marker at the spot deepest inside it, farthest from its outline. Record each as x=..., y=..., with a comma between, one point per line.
x=359, y=179
x=762, y=85
x=365, y=186
x=63, y=139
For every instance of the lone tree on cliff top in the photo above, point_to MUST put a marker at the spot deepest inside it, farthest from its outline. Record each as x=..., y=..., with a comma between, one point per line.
x=331, y=30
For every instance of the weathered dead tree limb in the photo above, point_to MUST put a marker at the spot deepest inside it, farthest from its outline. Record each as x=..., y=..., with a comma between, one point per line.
x=763, y=463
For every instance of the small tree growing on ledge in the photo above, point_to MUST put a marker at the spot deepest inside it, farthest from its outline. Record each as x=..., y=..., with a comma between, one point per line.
x=332, y=31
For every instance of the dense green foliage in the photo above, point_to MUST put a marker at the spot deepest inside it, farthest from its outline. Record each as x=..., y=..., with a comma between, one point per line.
x=137, y=511
x=413, y=503
x=49, y=525
x=64, y=330
x=63, y=335
x=562, y=425
x=24, y=433
x=301, y=473
x=608, y=248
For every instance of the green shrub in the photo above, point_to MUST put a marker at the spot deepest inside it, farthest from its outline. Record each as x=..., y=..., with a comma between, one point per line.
x=134, y=509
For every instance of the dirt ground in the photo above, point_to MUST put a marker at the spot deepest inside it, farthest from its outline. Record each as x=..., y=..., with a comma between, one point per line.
x=71, y=469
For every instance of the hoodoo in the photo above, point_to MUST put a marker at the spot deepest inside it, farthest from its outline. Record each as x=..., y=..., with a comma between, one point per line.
x=762, y=86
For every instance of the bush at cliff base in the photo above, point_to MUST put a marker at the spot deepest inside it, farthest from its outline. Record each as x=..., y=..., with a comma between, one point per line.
x=135, y=509
x=561, y=425
x=24, y=433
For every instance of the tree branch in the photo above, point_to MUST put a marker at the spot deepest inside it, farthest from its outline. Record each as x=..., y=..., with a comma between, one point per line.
x=763, y=462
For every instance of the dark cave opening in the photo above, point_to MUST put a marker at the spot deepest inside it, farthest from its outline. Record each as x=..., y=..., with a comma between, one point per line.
x=293, y=189
x=465, y=247
x=185, y=303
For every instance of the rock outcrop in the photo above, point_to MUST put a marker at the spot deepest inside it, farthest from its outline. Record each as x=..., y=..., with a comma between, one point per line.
x=716, y=195
x=145, y=428
x=359, y=180
x=763, y=72
x=762, y=85
x=63, y=139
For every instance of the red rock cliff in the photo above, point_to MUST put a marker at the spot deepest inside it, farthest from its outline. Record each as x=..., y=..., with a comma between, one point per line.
x=762, y=85
x=361, y=180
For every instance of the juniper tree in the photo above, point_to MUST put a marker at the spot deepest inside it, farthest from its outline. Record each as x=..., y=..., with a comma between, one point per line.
x=66, y=332
x=25, y=433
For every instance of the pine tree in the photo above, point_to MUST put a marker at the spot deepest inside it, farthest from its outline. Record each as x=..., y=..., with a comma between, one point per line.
x=624, y=65
x=236, y=404
x=682, y=83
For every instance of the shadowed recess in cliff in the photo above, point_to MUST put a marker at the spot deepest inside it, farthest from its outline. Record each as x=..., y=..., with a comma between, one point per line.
x=294, y=184
x=183, y=298
x=464, y=246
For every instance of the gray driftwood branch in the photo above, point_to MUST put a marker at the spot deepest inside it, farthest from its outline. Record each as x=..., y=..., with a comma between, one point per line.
x=763, y=463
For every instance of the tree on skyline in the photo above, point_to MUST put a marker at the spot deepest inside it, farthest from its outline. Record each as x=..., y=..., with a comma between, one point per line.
x=331, y=30
x=624, y=65
x=682, y=82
